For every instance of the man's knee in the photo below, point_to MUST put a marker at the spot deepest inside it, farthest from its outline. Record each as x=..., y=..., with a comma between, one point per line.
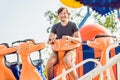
x=67, y=61
x=51, y=61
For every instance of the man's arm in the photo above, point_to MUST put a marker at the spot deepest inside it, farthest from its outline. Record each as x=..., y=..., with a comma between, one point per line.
x=76, y=37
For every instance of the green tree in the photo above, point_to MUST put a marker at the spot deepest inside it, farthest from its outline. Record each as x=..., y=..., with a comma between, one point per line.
x=109, y=22
x=52, y=17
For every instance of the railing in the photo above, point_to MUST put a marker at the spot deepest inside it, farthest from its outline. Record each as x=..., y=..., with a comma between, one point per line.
x=80, y=64
x=118, y=70
x=115, y=44
x=98, y=70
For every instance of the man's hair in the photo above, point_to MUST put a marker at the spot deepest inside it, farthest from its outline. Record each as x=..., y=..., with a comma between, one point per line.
x=61, y=9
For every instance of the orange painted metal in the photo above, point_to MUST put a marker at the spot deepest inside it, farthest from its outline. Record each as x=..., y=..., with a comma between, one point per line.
x=61, y=46
x=114, y=67
x=5, y=73
x=102, y=44
x=79, y=58
x=89, y=31
x=28, y=71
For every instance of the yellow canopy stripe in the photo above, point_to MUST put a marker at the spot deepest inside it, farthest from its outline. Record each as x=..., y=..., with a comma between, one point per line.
x=72, y=3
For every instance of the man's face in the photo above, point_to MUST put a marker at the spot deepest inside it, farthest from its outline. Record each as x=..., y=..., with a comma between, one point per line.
x=63, y=16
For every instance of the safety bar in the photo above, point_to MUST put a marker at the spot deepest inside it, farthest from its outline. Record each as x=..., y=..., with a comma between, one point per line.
x=110, y=63
x=6, y=44
x=99, y=36
x=38, y=62
x=115, y=44
x=80, y=64
x=19, y=41
x=118, y=70
x=97, y=71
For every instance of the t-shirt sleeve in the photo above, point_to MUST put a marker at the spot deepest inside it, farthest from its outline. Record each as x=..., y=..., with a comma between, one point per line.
x=75, y=28
x=53, y=29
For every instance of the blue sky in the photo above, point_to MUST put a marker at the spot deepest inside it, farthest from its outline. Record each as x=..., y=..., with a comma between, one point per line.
x=24, y=19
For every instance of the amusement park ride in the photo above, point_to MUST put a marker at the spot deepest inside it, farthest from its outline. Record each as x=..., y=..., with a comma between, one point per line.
x=97, y=55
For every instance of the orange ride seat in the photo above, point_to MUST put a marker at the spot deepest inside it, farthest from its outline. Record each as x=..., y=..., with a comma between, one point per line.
x=61, y=46
x=5, y=73
x=102, y=43
x=28, y=71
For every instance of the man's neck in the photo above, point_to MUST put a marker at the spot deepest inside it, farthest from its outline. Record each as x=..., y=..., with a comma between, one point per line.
x=64, y=23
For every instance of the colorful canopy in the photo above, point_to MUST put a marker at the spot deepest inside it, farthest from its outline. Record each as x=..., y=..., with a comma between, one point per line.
x=103, y=7
x=103, y=10
x=72, y=3
x=115, y=4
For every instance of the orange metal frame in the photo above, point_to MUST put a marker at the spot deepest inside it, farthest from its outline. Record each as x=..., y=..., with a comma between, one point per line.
x=102, y=44
x=5, y=73
x=61, y=46
x=29, y=72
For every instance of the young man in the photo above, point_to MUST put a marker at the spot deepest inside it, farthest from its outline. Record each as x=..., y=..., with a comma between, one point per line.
x=64, y=29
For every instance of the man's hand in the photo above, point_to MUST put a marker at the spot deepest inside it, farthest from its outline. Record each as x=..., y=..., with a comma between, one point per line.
x=66, y=37
x=52, y=40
